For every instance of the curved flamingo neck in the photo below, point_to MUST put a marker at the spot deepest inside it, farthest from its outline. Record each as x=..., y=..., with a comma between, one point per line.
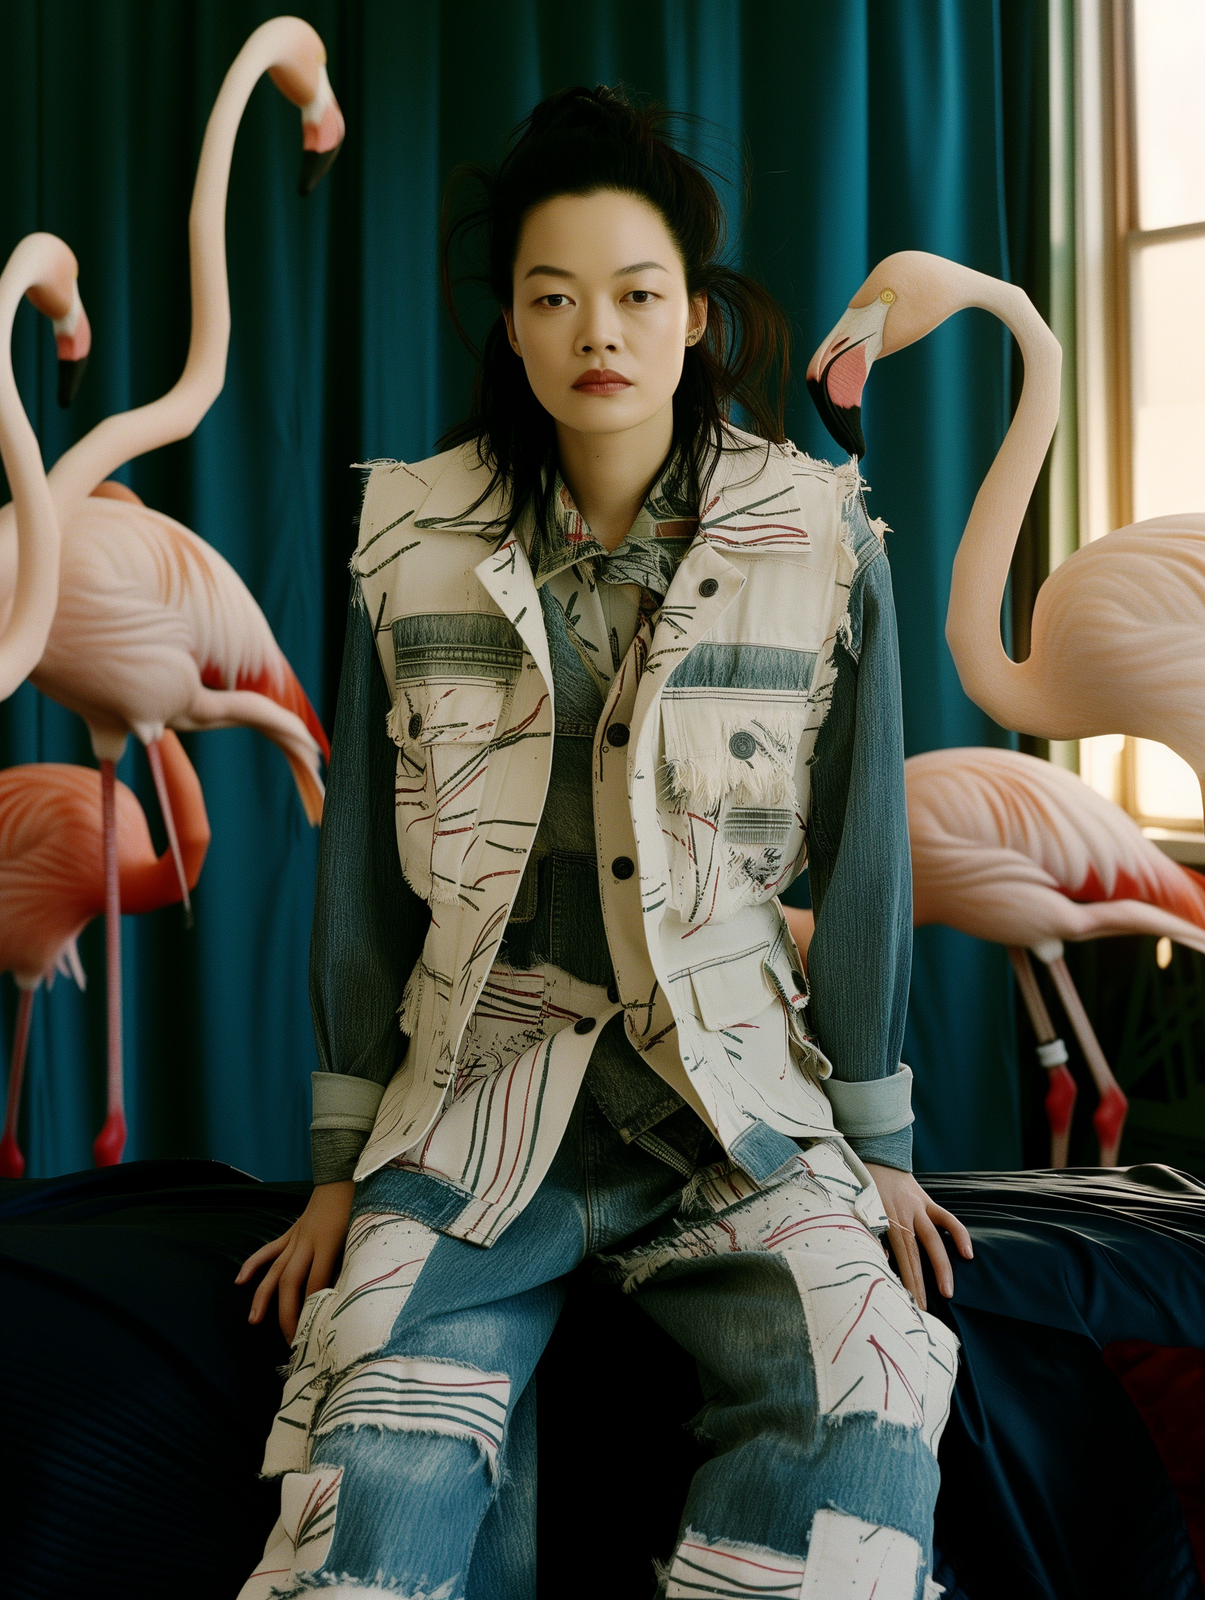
x=37, y=589
x=120, y=438
x=1005, y=689
x=148, y=883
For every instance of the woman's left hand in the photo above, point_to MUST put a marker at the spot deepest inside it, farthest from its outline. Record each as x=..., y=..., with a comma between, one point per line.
x=914, y=1220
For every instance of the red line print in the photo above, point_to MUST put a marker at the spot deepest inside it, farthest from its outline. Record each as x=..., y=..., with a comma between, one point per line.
x=858, y=1318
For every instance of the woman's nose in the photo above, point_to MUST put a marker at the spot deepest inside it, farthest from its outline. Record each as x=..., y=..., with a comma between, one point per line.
x=599, y=333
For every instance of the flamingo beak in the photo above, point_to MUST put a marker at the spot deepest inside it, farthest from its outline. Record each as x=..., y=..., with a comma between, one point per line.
x=322, y=131
x=837, y=373
x=73, y=341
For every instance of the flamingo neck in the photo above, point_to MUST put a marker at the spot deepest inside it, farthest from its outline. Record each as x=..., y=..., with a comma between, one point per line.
x=37, y=588
x=1005, y=689
x=120, y=438
x=150, y=882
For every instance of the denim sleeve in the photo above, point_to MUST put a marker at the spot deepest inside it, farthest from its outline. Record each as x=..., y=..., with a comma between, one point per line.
x=860, y=874
x=369, y=925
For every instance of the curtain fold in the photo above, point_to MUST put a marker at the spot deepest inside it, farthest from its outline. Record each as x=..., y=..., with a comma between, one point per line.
x=866, y=126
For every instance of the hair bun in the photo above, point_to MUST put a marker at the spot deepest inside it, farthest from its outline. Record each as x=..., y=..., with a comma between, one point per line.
x=577, y=109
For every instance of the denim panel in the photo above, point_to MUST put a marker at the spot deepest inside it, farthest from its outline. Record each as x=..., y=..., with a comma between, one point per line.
x=761, y=1151
x=779, y=1460
x=888, y=1149
x=578, y=941
x=633, y=1098
x=859, y=868
x=578, y=698
x=410, y=1194
x=568, y=819
x=334, y=1153
x=743, y=666
x=460, y=644
x=369, y=925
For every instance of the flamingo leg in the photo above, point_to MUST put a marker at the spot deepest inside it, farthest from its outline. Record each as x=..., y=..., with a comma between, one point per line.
x=1110, y=1115
x=1052, y=1053
x=110, y=1141
x=154, y=754
x=12, y=1162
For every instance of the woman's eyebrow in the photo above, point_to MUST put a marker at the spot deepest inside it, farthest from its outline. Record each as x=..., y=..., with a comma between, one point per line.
x=548, y=272
x=640, y=266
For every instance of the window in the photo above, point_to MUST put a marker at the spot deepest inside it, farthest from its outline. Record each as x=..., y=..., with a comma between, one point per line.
x=1157, y=289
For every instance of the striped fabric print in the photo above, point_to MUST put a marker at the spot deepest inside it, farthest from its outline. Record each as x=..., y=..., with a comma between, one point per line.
x=406, y=1394
x=382, y=1259
x=302, y=1537
x=306, y=1379
x=704, y=1569
x=859, y=1560
x=873, y=1349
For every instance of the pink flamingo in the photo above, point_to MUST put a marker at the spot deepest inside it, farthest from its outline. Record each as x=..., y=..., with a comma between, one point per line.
x=52, y=883
x=1118, y=634
x=153, y=628
x=1017, y=851
x=42, y=268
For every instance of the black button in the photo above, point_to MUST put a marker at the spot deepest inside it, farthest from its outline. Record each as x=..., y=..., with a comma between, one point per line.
x=584, y=1025
x=708, y=587
x=613, y=993
x=623, y=866
x=797, y=980
x=415, y=726
x=618, y=734
x=742, y=745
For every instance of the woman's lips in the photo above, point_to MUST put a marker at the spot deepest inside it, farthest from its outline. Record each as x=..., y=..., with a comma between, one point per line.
x=602, y=381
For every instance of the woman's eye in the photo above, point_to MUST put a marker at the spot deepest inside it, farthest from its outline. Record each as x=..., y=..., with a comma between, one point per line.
x=641, y=297
x=555, y=300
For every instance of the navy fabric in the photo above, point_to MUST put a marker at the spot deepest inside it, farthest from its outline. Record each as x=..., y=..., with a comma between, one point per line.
x=869, y=127
x=136, y=1399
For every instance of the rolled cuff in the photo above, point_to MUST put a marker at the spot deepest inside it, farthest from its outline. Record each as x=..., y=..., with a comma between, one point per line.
x=335, y=1154
x=341, y=1101
x=888, y=1150
x=874, y=1108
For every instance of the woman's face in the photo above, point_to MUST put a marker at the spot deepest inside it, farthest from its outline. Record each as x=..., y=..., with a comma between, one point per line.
x=601, y=316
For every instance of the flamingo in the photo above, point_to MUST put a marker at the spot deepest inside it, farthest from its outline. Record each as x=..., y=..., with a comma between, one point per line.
x=52, y=883
x=1118, y=633
x=43, y=269
x=1019, y=852
x=1025, y=854
x=153, y=628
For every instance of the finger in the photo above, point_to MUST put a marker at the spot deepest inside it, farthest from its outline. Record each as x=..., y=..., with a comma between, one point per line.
x=266, y=1252
x=323, y=1271
x=955, y=1229
x=263, y=1295
x=900, y=1239
x=289, y=1297
x=918, y=1274
x=928, y=1235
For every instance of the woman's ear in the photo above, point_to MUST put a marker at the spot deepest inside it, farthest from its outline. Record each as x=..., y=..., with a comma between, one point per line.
x=508, y=316
x=698, y=317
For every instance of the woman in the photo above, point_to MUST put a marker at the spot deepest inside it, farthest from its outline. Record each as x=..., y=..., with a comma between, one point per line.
x=633, y=670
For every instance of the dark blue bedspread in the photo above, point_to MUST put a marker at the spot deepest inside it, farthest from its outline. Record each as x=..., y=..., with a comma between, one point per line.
x=135, y=1398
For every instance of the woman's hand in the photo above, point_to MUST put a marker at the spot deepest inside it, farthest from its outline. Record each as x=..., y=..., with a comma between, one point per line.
x=304, y=1259
x=915, y=1219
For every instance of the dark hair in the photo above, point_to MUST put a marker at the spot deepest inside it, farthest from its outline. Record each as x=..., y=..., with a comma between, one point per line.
x=580, y=141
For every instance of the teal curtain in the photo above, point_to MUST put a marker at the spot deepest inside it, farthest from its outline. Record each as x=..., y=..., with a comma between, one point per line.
x=866, y=126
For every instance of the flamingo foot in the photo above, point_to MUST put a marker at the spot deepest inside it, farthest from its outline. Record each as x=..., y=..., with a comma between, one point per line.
x=110, y=1142
x=1060, y=1103
x=12, y=1162
x=1108, y=1119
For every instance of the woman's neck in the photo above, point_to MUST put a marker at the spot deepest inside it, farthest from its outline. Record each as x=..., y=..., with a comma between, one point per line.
x=609, y=475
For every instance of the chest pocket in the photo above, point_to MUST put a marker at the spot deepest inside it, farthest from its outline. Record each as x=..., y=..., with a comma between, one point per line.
x=737, y=730
x=453, y=682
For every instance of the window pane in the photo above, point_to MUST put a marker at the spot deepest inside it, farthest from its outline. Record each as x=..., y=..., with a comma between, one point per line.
x=1168, y=791
x=1169, y=90
x=1167, y=357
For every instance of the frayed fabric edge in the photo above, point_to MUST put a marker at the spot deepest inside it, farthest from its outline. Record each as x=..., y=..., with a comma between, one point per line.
x=342, y=1586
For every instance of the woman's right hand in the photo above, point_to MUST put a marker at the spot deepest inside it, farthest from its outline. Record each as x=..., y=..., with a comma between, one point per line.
x=303, y=1260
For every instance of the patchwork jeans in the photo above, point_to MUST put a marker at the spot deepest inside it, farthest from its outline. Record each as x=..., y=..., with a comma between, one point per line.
x=406, y=1448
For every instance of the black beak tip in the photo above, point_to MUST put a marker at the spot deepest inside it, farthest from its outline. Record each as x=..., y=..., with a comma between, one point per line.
x=314, y=167
x=71, y=375
x=843, y=422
